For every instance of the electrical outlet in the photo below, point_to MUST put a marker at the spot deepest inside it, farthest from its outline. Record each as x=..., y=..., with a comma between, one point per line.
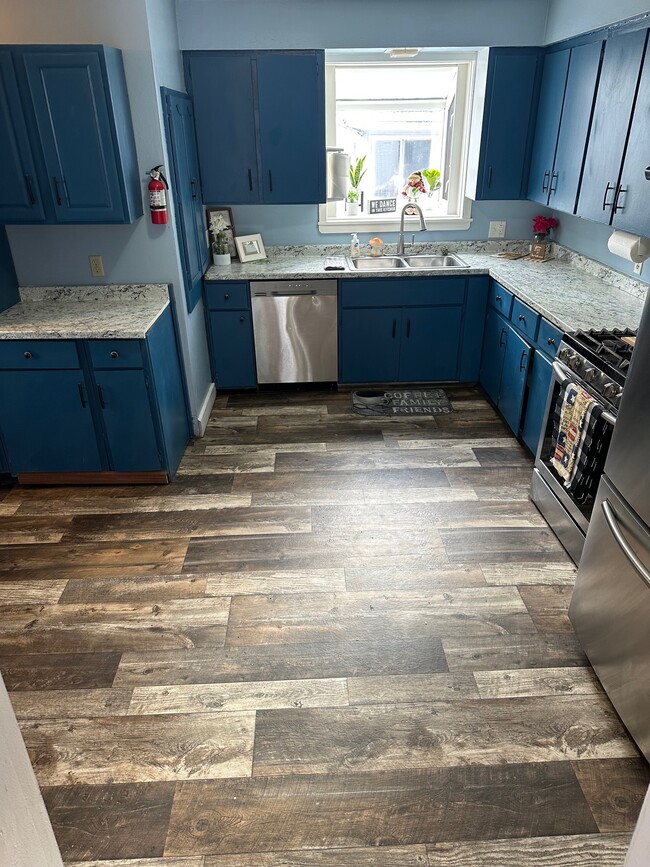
x=96, y=266
x=638, y=267
x=497, y=229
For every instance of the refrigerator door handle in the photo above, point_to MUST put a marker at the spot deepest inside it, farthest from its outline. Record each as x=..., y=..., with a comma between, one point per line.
x=610, y=517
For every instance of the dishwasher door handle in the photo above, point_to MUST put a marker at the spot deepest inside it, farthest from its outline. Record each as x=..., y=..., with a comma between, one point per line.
x=307, y=293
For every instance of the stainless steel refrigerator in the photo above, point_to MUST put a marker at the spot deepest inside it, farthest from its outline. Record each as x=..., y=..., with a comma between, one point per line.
x=610, y=608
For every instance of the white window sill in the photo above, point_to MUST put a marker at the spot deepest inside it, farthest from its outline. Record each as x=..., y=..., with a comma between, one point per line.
x=362, y=224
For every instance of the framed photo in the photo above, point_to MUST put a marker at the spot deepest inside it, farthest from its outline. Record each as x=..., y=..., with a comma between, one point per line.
x=250, y=248
x=226, y=213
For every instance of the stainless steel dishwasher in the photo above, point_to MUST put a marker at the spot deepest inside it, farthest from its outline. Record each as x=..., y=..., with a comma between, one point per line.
x=295, y=328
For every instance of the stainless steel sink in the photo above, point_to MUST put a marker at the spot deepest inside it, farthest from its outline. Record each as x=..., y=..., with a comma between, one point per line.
x=376, y=263
x=423, y=261
x=394, y=263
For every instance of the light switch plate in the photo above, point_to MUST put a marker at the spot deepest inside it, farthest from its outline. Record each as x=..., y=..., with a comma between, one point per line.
x=96, y=266
x=497, y=229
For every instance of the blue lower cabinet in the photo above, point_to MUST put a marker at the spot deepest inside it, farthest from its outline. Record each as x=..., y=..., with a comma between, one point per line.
x=47, y=423
x=539, y=383
x=232, y=349
x=431, y=339
x=369, y=344
x=494, y=350
x=513, y=379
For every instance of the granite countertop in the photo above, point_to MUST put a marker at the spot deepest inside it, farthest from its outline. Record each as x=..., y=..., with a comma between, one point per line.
x=84, y=312
x=570, y=291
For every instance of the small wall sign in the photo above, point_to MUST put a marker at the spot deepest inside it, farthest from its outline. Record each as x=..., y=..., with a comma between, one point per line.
x=382, y=206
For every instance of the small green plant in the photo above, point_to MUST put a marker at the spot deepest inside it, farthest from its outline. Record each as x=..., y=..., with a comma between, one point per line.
x=357, y=172
x=432, y=177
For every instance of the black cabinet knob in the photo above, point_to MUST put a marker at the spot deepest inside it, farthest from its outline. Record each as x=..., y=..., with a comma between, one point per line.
x=499, y=298
x=27, y=354
x=522, y=318
x=551, y=341
x=226, y=296
x=242, y=319
x=113, y=354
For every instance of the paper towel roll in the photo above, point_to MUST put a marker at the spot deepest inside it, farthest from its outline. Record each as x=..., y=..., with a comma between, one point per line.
x=630, y=247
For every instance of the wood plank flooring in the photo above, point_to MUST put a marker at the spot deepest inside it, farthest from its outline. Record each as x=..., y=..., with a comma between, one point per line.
x=332, y=641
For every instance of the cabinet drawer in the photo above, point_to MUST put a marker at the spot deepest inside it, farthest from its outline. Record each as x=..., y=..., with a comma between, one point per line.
x=525, y=318
x=226, y=296
x=549, y=338
x=106, y=354
x=500, y=299
x=38, y=355
x=403, y=292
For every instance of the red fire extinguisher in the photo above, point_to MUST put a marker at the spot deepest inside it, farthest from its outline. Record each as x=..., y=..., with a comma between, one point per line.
x=157, y=202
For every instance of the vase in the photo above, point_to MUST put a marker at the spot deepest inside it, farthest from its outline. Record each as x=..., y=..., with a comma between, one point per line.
x=541, y=237
x=353, y=209
x=221, y=259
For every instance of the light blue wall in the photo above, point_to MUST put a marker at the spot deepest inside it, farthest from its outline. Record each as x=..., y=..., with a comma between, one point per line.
x=568, y=18
x=359, y=23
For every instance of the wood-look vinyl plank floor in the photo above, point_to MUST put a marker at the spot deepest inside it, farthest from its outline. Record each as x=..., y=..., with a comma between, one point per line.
x=331, y=640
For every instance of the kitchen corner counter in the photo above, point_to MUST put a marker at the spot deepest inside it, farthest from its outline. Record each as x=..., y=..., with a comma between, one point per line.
x=569, y=291
x=84, y=312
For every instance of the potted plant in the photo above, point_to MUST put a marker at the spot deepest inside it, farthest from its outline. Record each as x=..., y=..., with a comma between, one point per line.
x=357, y=172
x=220, y=251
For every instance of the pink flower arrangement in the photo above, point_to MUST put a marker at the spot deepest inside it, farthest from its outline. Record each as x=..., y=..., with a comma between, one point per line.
x=543, y=225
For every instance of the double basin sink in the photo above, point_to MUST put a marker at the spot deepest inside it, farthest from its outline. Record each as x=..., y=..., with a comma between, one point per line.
x=396, y=263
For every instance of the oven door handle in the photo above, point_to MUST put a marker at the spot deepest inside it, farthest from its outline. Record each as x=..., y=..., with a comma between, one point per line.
x=562, y=378
x=612, y=523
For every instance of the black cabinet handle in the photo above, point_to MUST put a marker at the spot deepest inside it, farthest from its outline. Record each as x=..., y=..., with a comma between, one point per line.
x=607, y=204
x=81, y=395
x=27, y=355
x=394, y=328
x=620, y=189
x=57, y=191
x=30, y=190
x=554, y=178
x=100, y=392
x=490, y=176
x=250, y=180
x=242, y=319
x=524, y=355
x=408, y=327
x=545, y=180
x=503, y=331
x=522, y=318
x=498, y=298
x=193, y=185
x=270, y=181
x=114, y=354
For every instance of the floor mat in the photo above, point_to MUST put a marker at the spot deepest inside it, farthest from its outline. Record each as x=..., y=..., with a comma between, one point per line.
x=430, y=401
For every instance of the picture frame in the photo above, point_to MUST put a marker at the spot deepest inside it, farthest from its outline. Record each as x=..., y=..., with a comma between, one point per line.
x=226, y=213
x=250, y=248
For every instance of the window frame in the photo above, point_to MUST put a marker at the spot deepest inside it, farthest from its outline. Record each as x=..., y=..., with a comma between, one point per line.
x=465, y=61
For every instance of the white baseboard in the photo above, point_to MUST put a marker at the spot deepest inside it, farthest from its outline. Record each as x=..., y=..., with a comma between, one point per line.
x=201, y=421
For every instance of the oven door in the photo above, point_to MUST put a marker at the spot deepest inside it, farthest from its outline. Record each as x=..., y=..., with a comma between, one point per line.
x=580, y=513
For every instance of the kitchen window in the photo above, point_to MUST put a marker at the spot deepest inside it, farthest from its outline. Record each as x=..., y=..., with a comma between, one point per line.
x=403, y=117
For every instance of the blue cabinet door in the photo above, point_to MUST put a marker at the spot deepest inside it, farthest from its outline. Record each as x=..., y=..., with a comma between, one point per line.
x=633, y=214
x=71, y=106
x=473, y=327
x=551, y=99
x=233, y=353
x=186, y=186
x=128, y=420
x=46, y=422
x=291, y=94
x=224, y=116
x=611, y=120
x=494, y=348
x=20, y=198
x=430, y=344
x=9, y=294
x=513, y=379
x=584, y=68
x=510, y=108
x=538, y=387
x=369, y=344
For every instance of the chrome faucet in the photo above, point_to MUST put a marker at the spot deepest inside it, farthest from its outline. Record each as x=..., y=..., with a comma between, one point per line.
x=423, y=226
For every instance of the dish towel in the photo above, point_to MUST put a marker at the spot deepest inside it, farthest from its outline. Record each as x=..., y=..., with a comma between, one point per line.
x=581, y=439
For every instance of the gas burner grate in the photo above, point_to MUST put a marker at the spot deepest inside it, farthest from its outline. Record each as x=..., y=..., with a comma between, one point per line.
x=609, y=345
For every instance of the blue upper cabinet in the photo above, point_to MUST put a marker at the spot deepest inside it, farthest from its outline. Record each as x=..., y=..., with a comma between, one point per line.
x=19, y=194
x=633, y=203
x=78, y=164
x=260, y=124
x=549, y=113
x=510, y=108
x=601, y=189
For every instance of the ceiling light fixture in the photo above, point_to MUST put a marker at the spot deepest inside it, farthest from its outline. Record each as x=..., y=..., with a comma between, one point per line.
x=398, y=53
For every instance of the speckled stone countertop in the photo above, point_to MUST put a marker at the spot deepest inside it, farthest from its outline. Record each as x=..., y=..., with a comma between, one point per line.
x=570, y=291
x=84, y=312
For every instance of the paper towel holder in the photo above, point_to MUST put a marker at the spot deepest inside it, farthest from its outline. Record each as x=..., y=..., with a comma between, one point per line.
x=647, y=173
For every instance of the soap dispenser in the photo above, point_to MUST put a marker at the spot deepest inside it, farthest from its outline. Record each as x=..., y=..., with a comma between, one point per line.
x=354, y=245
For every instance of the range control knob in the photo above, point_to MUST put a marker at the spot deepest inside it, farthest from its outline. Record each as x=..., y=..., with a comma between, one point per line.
x=563, y=354
x=610, y=389
x=589, y=374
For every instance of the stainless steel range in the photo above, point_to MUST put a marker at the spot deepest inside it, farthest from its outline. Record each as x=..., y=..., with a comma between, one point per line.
x=596, y=362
